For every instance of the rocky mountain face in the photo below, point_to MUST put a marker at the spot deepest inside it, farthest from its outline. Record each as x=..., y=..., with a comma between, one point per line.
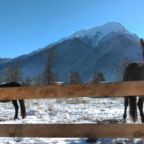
x=108, y=49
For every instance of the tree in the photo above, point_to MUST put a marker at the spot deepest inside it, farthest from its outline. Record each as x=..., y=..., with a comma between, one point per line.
x=2, y=78
x=97, y=77
x=74, y=78
x=13, y=72
x=49, y=77
x=28, y=81
x=38, y=79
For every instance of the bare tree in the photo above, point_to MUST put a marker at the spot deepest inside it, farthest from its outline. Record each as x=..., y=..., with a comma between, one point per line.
x=38, y=79
x=74, y=78
x=49, y=77
x=1, y=77
x=97, y=77
x=28, y=81
x=13, y=72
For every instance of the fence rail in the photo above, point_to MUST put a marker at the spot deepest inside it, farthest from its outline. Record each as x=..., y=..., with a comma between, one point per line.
x=66, y=91
x=73, y=130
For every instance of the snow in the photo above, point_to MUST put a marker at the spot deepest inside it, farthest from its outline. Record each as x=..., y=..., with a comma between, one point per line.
x=95, y=34
x=99, y=32
x=79, y=110
x=104, y=29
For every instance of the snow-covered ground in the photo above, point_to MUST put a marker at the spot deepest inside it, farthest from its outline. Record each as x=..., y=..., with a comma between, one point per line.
x=79, y=110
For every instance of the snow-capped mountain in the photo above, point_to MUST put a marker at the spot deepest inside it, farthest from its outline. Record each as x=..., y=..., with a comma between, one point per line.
x=104, y=30
x=97, y=33
x=99, y=49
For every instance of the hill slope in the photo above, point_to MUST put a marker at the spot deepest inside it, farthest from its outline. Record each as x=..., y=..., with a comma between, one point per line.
x=100, y=49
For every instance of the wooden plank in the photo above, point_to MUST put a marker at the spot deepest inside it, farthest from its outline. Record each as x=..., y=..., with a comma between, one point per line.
x=72, y=130
x=65, y=91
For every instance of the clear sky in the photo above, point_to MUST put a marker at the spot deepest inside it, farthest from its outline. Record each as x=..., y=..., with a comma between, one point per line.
x=26, y=25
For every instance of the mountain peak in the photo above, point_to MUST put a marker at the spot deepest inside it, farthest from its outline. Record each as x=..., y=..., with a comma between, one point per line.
x=114, y=26
x=97, y=33
x=104, y=30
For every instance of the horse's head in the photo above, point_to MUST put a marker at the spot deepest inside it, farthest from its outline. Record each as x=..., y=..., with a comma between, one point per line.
x=142, y=42
x=142, y=46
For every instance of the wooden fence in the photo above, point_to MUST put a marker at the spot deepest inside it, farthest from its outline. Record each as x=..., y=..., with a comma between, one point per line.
x=73, y=130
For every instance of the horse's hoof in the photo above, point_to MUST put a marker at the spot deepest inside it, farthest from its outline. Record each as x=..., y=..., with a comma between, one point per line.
x=91, y=140
x=23, y=116
x=123, y=120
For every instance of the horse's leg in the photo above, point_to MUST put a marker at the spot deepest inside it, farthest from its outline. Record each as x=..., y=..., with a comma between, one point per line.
x=125, y=109
x=15, y=104
x=23, y=108
x=140, y=106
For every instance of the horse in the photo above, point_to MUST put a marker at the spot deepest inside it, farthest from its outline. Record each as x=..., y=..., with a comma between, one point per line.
x=134, y=72
x=15, y=102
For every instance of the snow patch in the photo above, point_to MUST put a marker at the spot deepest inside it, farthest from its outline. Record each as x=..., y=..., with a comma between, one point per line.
x=79, y=110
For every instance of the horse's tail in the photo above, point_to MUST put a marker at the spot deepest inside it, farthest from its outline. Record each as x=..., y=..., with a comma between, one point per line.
x=23, y=108
x=133, y=108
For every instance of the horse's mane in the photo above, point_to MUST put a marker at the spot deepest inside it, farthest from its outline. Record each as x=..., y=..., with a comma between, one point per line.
x=130, y=70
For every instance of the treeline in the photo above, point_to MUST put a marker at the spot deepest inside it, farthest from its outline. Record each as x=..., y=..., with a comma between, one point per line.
x=14, y=73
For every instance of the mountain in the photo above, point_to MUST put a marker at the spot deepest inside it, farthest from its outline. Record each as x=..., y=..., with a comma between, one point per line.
x=4, y=60
x=99, y=49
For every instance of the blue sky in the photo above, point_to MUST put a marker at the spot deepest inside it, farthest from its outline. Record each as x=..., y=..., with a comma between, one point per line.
x=26, y=25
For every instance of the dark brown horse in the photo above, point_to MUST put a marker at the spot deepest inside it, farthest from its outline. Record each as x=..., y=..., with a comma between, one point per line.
x=134, y=72
x=15, y=102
